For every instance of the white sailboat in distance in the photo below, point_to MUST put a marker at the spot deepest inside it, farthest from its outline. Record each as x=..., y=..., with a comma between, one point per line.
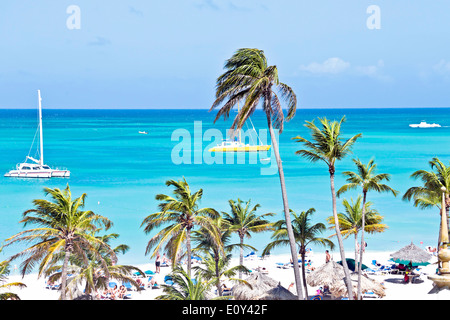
x=37, y=168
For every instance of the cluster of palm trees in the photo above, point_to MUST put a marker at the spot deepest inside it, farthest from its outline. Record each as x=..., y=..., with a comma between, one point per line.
x=249, y=78
x=66, y=245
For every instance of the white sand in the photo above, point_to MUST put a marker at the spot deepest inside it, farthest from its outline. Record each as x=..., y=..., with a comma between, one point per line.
x=395, y=288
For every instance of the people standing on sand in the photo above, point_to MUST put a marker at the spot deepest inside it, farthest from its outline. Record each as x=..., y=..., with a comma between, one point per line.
x=157, y=263
x=327, y=256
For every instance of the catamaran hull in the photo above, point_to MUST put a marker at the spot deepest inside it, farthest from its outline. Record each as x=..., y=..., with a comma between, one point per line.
x=240, y=149
x=39, y=174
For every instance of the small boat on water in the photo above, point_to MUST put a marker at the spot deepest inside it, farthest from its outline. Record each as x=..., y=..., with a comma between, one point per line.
x=237, y=145
x=423, y=124
x=37, y=168
x=143, y=132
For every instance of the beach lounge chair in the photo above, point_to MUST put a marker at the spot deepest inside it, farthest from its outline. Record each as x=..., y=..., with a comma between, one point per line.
x=53, y=286
x=370, y=294
x=282, y=265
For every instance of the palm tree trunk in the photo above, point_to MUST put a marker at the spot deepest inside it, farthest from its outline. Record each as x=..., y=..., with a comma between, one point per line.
x=188, y=249
x=287, y=215
x=303, y=273
x=241, y=255
x=362, y=245
x=64, y=274
x=347, y=279
x=356, y=246
x=216, y=260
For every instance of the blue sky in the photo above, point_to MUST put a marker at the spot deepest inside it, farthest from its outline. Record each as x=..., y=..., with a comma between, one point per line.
x=168, y=54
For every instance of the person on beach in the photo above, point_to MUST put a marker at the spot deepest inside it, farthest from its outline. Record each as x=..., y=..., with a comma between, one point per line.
x=157, y=263
x=327, y=256
x=113, y=292
x=165, y=260
x=291, y=287
x=122, y=292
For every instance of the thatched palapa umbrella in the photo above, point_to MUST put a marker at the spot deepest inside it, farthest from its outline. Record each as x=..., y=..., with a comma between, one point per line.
x=339, y=289
x=411, y=254
x=258, y=284
x=277, y=293
x=326, y=274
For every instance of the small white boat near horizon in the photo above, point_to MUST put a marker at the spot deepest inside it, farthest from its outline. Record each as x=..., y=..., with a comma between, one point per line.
x=424, y=124
x=143, y=132
x=37, y=168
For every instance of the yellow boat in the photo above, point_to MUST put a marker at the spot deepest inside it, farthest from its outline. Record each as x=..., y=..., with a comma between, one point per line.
x=236, y=146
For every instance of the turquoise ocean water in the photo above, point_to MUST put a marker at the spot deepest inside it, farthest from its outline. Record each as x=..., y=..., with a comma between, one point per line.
x=121, y=170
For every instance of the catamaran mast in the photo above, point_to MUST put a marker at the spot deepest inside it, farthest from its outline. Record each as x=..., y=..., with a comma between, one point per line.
x=41, y=160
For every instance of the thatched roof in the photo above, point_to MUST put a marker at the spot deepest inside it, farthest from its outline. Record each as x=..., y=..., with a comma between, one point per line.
x=339, y=288
x=258, y=284
x=277, y=293
x=326, y=274
x=411, y=253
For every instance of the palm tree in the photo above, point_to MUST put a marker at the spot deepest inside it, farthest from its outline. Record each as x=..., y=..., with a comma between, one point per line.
x=305, y=234
x=206, y=244
x=249, y=78
x=243, y=220
x=365, y=178
x=184, y=287
x=350, y=222
x=5, y=285
x=95, y=273
x=182, y=214
x=63, y=230
x=215, y=271
x=327, y=146
x=430, y=194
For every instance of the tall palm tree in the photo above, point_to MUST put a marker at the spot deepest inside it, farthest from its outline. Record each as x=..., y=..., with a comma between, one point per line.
x=62, y=229
x=430, y=194
x=327, y=146
x=350, y=222
x=365, y=178
x=305, y=234
x=249, y=78
x=207, y=245
x=182, y=213
x=243, y=220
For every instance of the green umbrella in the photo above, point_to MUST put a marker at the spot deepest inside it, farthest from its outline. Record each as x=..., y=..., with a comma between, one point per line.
x=413, y=263
x=351, y=264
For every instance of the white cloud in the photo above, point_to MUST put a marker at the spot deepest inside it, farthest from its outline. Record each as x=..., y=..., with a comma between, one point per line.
x=443, y=67
x=370, y=71
x=329, y=66
x=337, y=66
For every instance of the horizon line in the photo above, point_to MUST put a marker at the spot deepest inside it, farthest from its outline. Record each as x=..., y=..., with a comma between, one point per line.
x=207, y=109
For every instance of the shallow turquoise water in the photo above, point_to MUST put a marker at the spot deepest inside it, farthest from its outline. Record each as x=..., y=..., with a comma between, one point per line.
x=122, y=170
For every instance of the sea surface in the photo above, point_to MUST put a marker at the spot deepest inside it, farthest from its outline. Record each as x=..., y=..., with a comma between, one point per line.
x=122, y=170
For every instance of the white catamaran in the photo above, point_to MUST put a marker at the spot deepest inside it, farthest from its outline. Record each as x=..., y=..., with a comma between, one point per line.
x=37, y=168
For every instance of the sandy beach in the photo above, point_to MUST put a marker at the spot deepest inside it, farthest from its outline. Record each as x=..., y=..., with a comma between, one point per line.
x=396, y=289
